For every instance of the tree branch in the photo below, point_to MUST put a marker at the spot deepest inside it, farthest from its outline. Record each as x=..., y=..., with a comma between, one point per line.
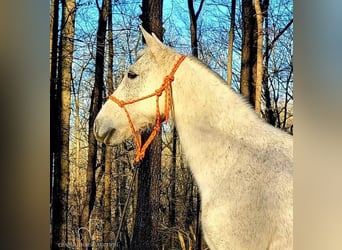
x=199, y=9
x=270, y=46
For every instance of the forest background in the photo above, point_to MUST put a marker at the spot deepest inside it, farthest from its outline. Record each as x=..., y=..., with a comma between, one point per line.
x=95, y=199
x=24, y=89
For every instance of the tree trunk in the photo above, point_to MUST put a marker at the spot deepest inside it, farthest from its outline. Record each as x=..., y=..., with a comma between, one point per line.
x=145, y=230
x=110, y=85
x=247, y=87
x=118, y=190
x=123, y=244
x=63, y=107
x=230, y=44
x=53, y=87
x=269, y=114
x=53, y=80
x=194, y=48
x=259, y=55
x=287, y=97
x=198, y=224
x=172, y=213
x=107, y=195
x=95, y=105
x=151, y=17
x=193, y=26
x=109, y=151
x=189, y=200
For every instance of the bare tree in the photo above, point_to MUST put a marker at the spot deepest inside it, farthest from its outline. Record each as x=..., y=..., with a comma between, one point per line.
x=269, y=114
x=248, y=53
x=194, y=48
x=95, y=105
x=107, y=196
x=172, y=213
x=53, y=85
x=230, y=44
x=63, y=103
x=259, y=57
x=145, y=231
x=193, y=25
x=110, y=85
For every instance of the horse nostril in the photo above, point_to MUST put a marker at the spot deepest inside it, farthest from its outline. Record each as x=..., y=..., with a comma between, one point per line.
x=108, y=135
x=103, y=130
x=95, y=125
x=96, y=129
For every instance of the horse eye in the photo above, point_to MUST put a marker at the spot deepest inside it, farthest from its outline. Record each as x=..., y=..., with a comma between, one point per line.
x=131, y=75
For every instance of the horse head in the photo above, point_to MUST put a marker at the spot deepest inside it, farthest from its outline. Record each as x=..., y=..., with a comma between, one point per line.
x=142, y=93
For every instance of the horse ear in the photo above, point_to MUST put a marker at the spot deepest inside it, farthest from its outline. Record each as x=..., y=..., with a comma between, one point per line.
x=157, y=39
x=152, y=41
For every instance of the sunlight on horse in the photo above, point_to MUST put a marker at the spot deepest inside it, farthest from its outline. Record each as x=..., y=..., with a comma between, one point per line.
x=242, y=165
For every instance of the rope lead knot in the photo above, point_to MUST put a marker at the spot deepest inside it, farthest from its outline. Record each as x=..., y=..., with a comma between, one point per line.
x=159, y=92
x=169, y=78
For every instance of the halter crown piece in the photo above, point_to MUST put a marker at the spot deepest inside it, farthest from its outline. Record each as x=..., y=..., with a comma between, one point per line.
x=166, y=86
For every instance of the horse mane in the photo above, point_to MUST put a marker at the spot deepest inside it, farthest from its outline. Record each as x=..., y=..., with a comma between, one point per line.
x=225, y=103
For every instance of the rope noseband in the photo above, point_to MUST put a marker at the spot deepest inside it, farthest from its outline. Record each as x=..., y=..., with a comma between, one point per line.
x=166, y=86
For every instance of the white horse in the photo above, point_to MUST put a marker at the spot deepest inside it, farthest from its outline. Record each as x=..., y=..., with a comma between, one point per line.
x=242, y=165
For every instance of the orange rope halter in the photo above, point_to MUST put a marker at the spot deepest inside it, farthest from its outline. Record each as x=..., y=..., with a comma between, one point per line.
x=166, y=86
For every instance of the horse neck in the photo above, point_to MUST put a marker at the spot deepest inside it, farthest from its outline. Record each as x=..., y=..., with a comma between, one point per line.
x=210, y=118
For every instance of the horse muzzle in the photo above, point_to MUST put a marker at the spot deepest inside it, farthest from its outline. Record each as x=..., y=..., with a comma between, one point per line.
x=103, y=130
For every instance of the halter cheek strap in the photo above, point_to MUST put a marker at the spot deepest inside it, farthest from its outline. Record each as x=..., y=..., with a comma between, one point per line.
x=166, y=86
